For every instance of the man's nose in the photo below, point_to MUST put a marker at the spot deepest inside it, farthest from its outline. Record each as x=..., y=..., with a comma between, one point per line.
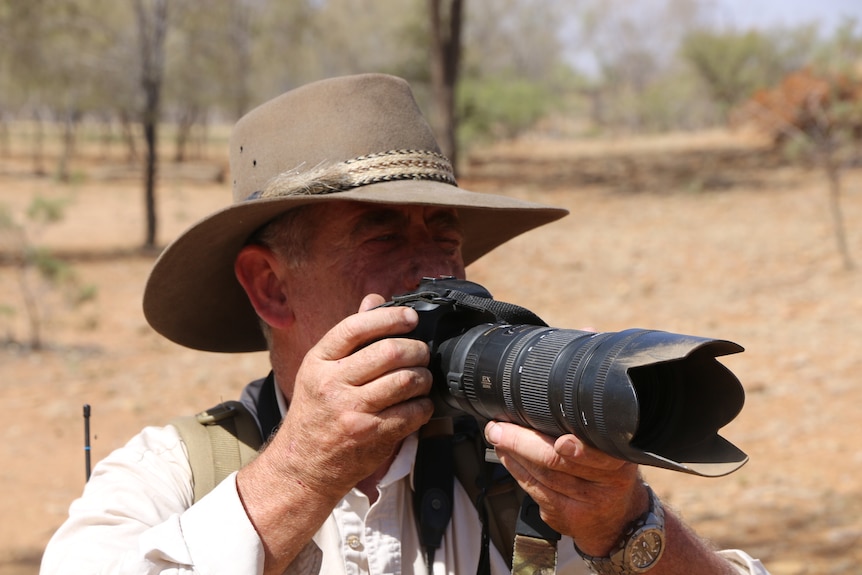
x=430, y=261
x=416, y=274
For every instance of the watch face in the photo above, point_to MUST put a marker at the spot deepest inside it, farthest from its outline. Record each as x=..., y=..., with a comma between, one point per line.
x=645, y=548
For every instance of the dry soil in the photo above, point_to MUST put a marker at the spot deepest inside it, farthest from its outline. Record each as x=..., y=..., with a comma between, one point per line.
x=754, y=262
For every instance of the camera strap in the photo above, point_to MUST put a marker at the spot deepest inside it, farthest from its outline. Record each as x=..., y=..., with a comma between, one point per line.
x=433, y=483
x=508, y=312
x=450, y=447
x=535, y=543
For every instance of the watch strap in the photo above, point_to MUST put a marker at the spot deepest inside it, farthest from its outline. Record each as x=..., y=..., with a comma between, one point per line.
x=618, y=562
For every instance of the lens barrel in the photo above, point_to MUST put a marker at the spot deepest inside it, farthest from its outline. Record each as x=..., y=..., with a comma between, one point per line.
x=645, y=396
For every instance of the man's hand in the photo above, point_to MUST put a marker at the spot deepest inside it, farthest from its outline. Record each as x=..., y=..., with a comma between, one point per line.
x=593, y=497
x=357, y=394
x=581, y=491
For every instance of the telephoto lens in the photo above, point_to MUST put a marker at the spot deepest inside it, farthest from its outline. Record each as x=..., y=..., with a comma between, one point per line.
x=646, y=396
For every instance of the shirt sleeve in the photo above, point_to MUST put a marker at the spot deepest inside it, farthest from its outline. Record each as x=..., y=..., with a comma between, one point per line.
x=744, y=563
x=136, y=517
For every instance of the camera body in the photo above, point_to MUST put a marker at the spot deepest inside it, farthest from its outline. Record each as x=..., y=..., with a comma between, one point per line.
x=645, y=396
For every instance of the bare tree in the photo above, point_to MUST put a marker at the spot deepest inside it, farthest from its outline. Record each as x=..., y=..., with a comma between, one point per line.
x=152, y=21
x=817, y=116
x=240, y=40
x=446, y=19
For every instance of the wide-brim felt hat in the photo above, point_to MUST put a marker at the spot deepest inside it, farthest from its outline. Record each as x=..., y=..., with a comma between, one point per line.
x=355, y=138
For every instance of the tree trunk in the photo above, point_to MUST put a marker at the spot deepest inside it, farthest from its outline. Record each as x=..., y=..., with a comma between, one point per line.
x=186, y=121
x=5, y=140
x=150, y=171
x=70, y=123
x=240, y=39
x=128, y=132
x=152, y=28
x=834, y=176
x=39, y=145
x=445, y=60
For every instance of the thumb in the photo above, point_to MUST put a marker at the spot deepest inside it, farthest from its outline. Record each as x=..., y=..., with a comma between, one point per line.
x=371, y=301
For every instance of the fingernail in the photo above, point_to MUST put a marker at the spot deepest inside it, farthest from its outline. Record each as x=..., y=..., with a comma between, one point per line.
x=568, y=448
x=493, y=433
x=411, y=316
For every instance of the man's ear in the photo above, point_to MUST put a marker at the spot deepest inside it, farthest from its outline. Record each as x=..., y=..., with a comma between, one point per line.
x=260, y=273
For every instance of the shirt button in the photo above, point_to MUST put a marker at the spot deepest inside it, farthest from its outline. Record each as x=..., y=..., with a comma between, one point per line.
x=354, y=542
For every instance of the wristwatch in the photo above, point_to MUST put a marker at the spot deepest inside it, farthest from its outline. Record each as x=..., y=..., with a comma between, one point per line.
x=640, y=546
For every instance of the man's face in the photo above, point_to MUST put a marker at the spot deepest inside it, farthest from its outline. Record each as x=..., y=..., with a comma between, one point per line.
x=362, y=248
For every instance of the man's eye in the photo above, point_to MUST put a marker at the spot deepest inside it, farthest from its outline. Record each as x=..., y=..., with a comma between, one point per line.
x=385, y=238
x=451, y=242
x=449, y=237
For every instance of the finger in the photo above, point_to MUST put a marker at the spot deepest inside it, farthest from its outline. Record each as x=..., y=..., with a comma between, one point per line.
x=540, y=453
x=360, y=329
x=371, y=301
x=382, y=357
x=571, y=448
x=393, y=388
x=392, y=406
x=406, y=417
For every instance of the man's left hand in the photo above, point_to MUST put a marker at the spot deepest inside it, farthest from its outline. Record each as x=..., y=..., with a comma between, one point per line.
x=582, y=492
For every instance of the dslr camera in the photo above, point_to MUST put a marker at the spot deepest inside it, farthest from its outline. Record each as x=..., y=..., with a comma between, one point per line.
x=645, y=396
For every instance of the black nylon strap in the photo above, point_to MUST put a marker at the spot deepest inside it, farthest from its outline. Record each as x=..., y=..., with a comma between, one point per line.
x=435, y=457
x=507, y=312
x=434, y=478
x=268, y=413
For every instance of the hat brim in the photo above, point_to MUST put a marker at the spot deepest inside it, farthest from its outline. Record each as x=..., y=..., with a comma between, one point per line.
x=193, y=298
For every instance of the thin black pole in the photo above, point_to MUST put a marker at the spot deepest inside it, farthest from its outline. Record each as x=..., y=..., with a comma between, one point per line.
x=87, y=439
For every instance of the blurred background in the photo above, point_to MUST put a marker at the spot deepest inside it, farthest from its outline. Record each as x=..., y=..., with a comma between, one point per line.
x=707, y=149
x=96, y=69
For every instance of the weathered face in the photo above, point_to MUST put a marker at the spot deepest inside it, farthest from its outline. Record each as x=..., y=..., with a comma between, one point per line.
x=362, y=248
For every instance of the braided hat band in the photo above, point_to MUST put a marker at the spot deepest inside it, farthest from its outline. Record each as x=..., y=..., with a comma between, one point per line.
x=387, y=166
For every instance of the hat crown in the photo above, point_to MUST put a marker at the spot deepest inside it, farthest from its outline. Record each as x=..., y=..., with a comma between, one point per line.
x=325, y=123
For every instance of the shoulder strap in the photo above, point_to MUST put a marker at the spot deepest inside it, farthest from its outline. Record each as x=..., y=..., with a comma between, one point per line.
x=452, y=447
x=219, y=441
x=494, y=492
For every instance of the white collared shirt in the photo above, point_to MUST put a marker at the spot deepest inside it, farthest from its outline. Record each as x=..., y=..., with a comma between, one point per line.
x=136, y=517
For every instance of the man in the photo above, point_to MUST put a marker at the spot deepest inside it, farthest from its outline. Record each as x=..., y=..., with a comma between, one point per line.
x=341, y=200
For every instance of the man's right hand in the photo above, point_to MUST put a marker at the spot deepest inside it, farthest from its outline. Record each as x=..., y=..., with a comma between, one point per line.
x=357, y=394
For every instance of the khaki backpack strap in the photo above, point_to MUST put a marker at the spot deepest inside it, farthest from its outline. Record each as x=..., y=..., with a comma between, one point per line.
x=503, y=502
x=535, y=542
x=219, y=441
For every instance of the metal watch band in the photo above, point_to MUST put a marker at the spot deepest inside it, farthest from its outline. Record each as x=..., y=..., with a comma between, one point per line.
x=618, y=561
